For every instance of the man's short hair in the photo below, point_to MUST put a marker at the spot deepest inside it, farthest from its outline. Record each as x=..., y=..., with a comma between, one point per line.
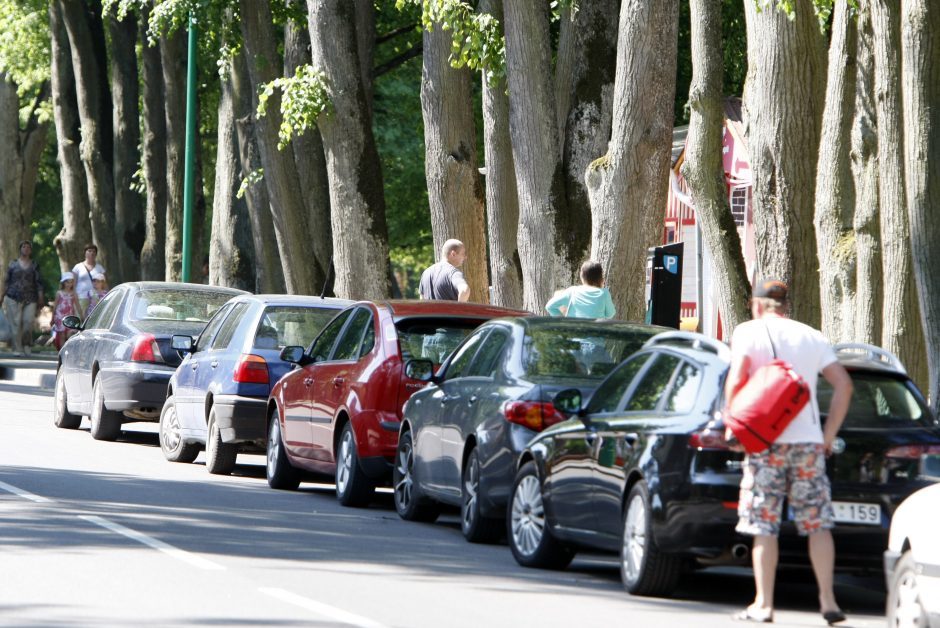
x=450, y=246
x=592, y=273
x=772, y=305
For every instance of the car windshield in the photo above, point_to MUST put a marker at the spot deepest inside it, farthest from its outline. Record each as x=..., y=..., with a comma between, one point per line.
x=281, y=326
x=433, y=339
x=177, y=305
x=878, y=401
x=582, y=349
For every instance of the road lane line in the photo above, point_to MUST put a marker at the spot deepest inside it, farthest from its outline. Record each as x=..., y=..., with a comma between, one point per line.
x=320, y=608
x=9, y=488
x=175, y=552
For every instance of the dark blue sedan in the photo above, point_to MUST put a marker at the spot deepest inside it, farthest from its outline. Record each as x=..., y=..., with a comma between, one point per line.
x=217, y=398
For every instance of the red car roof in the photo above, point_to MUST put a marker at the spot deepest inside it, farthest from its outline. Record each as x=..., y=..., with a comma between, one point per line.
x=414, y=307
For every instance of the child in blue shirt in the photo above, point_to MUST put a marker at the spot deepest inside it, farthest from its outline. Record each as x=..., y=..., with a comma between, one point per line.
x=589, y=300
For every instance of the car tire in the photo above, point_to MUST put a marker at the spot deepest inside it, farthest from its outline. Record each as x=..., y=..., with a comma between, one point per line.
x=174, y=448
x=904, y=606
x=410, y=504
x=644, y=569
x=280, y=472
x=61, y=416
x=220, y=457
x=353, y=488
x=105, y=424
x=530, y=538
x=475, y=527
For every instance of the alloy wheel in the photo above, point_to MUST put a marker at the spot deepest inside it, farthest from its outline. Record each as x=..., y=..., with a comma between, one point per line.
x=344, y=468
x=274, y=441
x=527, y=515
x=170, y=432
x=403, y=488
x=471, y=489
x=634, y=537
x=907, y=609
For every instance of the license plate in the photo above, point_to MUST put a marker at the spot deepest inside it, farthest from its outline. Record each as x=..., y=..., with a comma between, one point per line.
x=853, y=512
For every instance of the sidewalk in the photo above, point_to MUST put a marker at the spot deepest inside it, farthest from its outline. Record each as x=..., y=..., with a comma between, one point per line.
x=37, y=370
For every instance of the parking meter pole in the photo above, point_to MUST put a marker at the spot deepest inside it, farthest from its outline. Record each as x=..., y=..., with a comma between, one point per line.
x=189, y=179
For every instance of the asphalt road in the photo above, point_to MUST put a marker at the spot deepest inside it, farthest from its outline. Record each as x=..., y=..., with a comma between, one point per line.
x=110, y=534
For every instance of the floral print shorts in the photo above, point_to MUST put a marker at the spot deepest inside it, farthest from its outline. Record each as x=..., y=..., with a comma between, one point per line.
x=792, y=472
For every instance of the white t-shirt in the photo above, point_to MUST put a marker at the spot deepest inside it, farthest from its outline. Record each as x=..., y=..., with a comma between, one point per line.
x=83, y=285
x=807, y=351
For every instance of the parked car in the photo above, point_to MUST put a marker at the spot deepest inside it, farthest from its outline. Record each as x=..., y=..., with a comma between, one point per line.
x=218, y=396
x=912, y=561
x=643, y=469
x=461, y=436
x=339, y=412
x=116, y=369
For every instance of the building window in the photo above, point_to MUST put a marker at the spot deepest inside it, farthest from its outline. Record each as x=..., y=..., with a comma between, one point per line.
x=739, y=200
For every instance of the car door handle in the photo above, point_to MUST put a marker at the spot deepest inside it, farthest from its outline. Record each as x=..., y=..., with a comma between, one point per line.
x=194, y=365
x=339, y=381
x=214, y=363
x=449, y=398
x=472, y=400
x=308, y=381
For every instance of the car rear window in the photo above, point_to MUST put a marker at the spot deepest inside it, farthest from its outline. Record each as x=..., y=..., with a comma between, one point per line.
x=177, y=305
x=878, y=401
x=580, y=349
x=283, y=326
x=433, y=339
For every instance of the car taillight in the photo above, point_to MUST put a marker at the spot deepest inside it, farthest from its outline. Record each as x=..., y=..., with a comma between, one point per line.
x=146, y=349
x=709, y=438
x=251, y=369
x=912, y=452
x=535, y=415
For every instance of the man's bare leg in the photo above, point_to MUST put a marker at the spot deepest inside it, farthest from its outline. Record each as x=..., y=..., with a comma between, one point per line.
x=822, y=554
x=764, y=559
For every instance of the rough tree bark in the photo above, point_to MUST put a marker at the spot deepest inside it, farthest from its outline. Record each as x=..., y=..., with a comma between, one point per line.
x=455, y=189
x=502, y=201
x=94, y=109
x=783, y=103
x=628, y=186
x=835, y=188
x=920, y=86
x=536, y=150
x=365, y=45
x=128, y=208
x=280, y=170
x=703, y=169
x=902, y=333
x=153, y=157
x=868, y=294
x=360, y=233
x=76, y=228
x=173, y=66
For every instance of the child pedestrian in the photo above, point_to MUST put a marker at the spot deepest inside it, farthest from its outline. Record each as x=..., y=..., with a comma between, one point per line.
x=66, y=304
x=589, y=300
x=100, y=288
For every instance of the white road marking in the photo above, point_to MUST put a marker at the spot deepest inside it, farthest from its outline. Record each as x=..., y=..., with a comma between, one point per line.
x=322, y=609
x=175, y=552
x=9, y=488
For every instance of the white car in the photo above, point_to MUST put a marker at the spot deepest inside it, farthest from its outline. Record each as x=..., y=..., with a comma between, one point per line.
x=912, y=561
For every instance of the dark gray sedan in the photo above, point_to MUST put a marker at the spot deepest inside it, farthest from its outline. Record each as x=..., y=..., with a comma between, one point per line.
x=461, y=436
x=116, y=369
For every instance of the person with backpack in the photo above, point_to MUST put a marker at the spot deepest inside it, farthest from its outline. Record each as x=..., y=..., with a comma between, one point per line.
x=793, y=468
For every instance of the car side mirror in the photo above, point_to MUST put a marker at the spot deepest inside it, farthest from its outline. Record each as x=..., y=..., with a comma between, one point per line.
x=293, y=354
x=72, y=322
x=421, y=370
x=568, y=402
x=183, y=344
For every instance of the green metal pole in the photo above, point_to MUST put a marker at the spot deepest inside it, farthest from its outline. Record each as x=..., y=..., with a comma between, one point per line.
x=189, y=180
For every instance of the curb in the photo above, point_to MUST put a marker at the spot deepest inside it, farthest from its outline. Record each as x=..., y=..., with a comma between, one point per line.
x=28, y=372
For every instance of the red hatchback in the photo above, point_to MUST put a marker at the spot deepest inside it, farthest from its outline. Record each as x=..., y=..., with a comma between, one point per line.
x=339, y=412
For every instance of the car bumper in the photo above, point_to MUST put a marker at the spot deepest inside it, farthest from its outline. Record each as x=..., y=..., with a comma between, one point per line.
x=135, y=387
x=241, y=419
x=500, y=449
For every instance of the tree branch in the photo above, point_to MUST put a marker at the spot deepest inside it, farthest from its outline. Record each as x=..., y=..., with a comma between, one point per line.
x=408, y=28
x=41, y=96
x=394, y=62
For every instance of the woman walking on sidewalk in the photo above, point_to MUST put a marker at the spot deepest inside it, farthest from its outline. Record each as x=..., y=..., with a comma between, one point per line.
x=22, y=290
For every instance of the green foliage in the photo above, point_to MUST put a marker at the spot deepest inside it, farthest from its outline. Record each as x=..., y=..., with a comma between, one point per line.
x=254, y=177
x=822, y=9
x=24, y=43
x=304, y=97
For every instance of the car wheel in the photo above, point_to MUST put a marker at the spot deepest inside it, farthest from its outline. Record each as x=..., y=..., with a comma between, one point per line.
x=410, y=504
x=62, y=417
x=905, y=607
x=475, y=527
x=280, y=472
x=644, y=569
x=105, y=424
x=530, y=538
x=174, y=448
x=220, y=457
x=353, y=488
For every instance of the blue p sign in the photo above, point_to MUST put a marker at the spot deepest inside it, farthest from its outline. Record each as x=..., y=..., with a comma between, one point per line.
x=671, y=263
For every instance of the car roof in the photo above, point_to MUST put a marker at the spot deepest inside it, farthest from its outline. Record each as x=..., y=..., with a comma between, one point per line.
x=178, y=285
x=296, y=299
x=561, y=321
x=403, y=308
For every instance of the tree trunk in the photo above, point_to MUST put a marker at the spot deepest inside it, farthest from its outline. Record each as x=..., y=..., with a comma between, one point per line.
x=311, y=161
x=360, y=234
x=536, y=151
x=835, y=188
x=280, y=171
x=585, y=88
x=365, y=45
x=902, y=333
x=703, y=168
x=128, y=209
x=94, y=106
x=231, y=252
x=920, y=72
x=455, y=191
x=502, y=201
x=153, y=158
x=76, y=228
x=868, y=295
x=783, y=102
x=173, y=63
x=628, y=186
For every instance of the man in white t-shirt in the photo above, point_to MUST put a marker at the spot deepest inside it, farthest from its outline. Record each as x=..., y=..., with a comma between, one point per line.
x=794, y=467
